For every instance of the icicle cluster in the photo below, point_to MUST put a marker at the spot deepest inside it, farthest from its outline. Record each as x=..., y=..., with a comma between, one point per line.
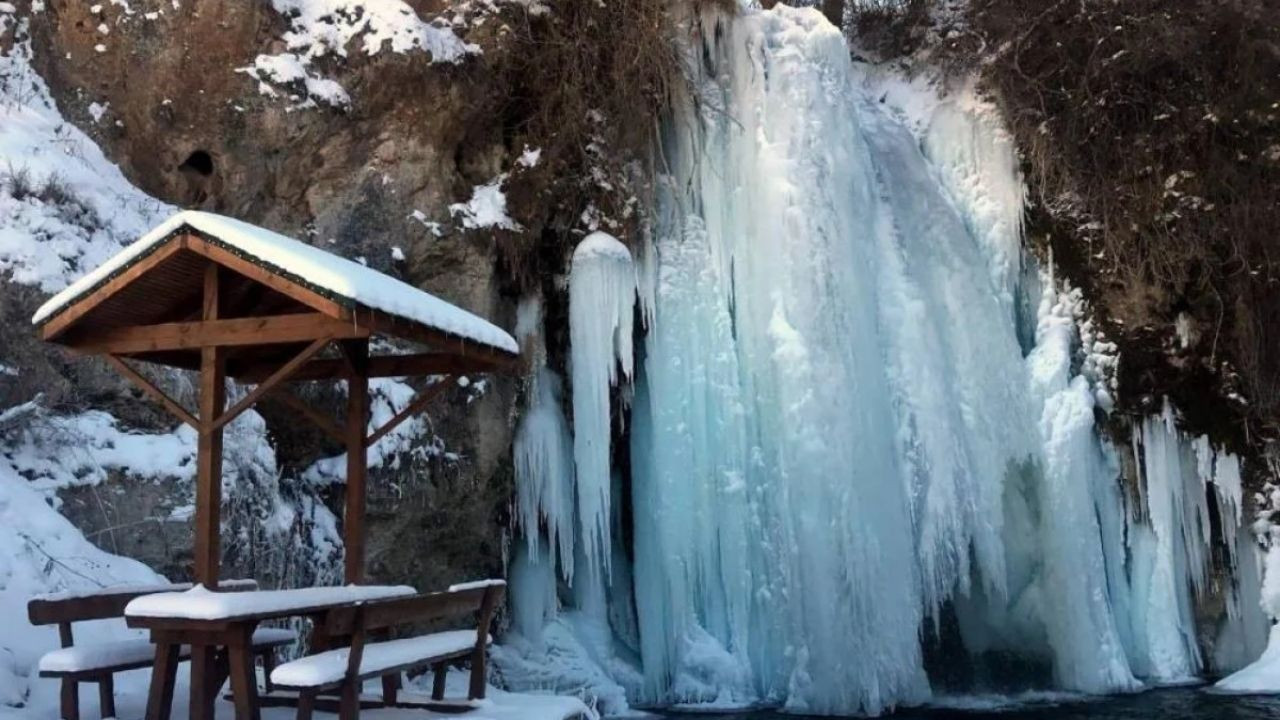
x=602, y=299
x=848, y=430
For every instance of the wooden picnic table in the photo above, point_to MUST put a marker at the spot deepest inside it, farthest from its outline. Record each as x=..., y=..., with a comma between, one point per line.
x=218, y=627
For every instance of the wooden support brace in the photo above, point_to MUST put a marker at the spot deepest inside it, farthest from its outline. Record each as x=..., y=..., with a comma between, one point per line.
x=413, y=408
x=267, y=385
x=154, y=392
x=299, y=405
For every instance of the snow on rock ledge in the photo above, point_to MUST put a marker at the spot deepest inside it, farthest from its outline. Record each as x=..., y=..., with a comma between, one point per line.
x=319, y=28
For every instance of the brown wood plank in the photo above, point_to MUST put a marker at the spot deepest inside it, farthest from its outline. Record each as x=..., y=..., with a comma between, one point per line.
x=303, y=408
x=154, y=392
x=415, y=365
x=353, y=530
x=417, y=405
x=209, y=453
x=266, y=386
x=276, y=282
x=59, y=323
x=266, y=330
x=379, y=614
x=438, y=340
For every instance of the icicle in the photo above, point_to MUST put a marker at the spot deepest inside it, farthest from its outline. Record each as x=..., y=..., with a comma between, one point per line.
x=543, y=454
x=602, y=295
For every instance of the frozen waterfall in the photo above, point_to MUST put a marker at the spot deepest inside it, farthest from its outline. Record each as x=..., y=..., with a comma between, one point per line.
x=862, y=441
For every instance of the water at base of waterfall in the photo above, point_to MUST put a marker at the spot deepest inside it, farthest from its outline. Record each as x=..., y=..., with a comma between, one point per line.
x=1160, y=704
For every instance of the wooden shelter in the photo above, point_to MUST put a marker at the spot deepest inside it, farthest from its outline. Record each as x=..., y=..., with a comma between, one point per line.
x=229, y=300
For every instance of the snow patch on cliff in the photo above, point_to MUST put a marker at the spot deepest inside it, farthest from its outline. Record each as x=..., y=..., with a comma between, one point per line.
x=64, y=208
x=323, y=28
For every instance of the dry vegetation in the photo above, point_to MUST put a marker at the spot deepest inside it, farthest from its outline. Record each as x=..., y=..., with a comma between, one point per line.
x=587, y=83
x=1150, y=136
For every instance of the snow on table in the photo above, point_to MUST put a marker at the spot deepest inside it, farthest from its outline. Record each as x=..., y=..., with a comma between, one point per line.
x=201, y=604
x=313, y=266
x=79, y=658
x=330, y=667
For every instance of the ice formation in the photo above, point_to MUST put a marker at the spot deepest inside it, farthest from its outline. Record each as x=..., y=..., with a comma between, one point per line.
x=601, y=306
x=864, y=422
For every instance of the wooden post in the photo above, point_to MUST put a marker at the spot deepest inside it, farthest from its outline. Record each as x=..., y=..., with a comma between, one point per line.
x=357, y=355
x=213, y=387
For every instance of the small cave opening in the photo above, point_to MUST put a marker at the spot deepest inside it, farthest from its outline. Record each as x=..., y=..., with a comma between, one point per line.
x=199, y=162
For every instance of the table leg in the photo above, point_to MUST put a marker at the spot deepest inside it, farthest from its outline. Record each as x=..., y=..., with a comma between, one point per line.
x=243, y=684
x=204, y=671
x=163, y=674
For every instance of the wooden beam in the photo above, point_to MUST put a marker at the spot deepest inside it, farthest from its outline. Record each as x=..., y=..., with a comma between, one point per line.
x=303, y=408
x=270, y=278
x=416, y=365
x=266, y=386
x=353, y=532
x=150, y=389
x=213, y=366
x=267, y=330
x=413, y=408
x=437, y=340
x=79, y=308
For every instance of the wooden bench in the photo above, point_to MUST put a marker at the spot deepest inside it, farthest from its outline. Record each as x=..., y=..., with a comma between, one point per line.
x=98, y=662
x=355, y=659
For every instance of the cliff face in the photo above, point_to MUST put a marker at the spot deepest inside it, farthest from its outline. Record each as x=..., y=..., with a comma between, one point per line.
x=362, y=155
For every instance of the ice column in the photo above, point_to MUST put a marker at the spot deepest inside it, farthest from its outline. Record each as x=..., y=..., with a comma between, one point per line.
x=602, y=295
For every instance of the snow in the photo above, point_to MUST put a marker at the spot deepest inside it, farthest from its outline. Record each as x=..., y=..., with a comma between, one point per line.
x=330, y=667
x=41, y=553
x=91, y=656
x=487, y=207
x=47, y=243
x=131, y=589
x=1262, y=676
x=313, y=266
x=323, y=28
x=201, y=604
x=478, y=584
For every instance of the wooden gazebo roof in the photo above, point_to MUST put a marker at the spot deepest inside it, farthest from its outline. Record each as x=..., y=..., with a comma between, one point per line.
x=209, y=293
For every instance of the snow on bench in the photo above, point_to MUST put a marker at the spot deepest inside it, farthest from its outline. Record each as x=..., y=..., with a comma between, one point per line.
x=329, y=668
x=201, y=604
x=477, y=584
x=132, y=652
x=110, y=590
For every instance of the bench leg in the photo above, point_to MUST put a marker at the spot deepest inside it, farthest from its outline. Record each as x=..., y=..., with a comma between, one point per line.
x=268, y=664
x=437, y=682
x=390, y=688
x=477, y=675
x=107, y=697
x=163, y=674
x=349, y=704
x=306, y=704
x=70, y=699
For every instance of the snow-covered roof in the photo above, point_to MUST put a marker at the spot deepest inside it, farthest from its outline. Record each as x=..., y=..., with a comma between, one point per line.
x=341, y=279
